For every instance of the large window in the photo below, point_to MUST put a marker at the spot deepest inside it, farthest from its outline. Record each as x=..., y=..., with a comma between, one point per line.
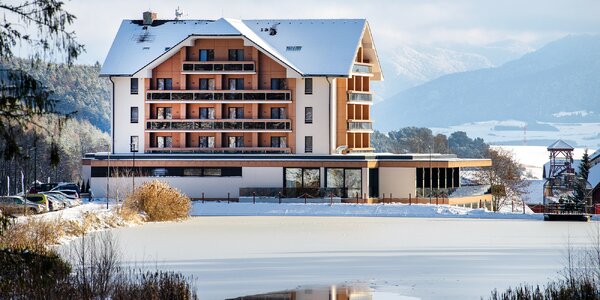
x=236, y=112
x=277, y=113
x=302, y=178
x=278, y=84
x=308, y=86
x=236, y=54
x=207, y=84
x=236, y=142
x=308, y=115
x=206, y=55
x=164, y=142
x=134, y=114
x=278, y=142
x=164, y=113
x=236, y=83
x=346, y=183
x=207, y=113
x=164, y=84
x=308, y=144
x=133, y=87
x=171, y=171
x=206, y=142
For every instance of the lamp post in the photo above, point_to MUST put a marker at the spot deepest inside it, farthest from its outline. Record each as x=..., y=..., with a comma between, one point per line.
x=133, y=149
x=430, y=175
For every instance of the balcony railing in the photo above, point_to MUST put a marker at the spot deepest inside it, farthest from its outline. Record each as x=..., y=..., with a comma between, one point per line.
x=225, y=67
x=457, y=192
x=360, y=97
x=219, y=125
x=362, y=68
x=219, y=95
x=220, y=150
x=360, y=126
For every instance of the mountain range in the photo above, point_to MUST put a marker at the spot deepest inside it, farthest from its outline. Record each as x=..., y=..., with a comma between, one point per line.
x=559, y=82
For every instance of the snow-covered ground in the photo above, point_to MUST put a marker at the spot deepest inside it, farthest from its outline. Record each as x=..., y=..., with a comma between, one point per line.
x=424, y=258
x=352, y=210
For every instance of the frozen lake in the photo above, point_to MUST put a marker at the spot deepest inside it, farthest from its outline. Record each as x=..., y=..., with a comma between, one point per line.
x=394, y=258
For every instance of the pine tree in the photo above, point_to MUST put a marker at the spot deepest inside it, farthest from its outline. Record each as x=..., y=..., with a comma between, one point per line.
x=580, y=189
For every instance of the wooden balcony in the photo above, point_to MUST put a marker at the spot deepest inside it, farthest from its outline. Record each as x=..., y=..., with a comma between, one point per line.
x=221, y=150
x=219, y=96
x=360, y=126
x=362, y=69
x=219, y=125
x=356, y=97
x=218, y=67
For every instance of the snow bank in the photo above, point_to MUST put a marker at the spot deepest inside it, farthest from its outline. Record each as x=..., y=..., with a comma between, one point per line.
x=350, y=210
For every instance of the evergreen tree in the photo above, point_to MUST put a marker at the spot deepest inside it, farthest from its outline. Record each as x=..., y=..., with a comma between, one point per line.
x=580, y=189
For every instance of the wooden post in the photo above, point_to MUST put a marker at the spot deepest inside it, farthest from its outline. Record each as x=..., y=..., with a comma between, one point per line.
x=383, y=198
x=356, y=198
x=253, y=197
x=304, y=198
x=436, y=200
x=279, y=195
x=331, y=199
x=202, y=197
x=409, y=199
x=227, y=197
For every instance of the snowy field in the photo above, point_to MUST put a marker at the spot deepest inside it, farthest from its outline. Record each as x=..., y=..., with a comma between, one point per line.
x=397, y=258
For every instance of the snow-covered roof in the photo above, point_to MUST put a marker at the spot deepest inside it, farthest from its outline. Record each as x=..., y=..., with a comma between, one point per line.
x=594, y=175
x=560, y=145
x=324, y=47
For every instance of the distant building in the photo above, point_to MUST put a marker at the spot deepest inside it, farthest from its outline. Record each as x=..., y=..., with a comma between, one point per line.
x=237, y=107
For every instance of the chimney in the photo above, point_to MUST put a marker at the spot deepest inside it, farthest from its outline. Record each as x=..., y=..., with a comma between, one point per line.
x=149, y=17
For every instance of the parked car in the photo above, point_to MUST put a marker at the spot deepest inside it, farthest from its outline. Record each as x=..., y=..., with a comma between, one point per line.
x=15, y=204
x=56, y=203
x=67, y=186
x=70, y=201
x=39, y=199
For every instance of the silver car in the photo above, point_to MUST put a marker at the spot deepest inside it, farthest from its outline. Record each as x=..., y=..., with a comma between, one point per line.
x=16, y=204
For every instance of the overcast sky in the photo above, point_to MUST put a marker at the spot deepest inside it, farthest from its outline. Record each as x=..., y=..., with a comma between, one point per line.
x=394, y=22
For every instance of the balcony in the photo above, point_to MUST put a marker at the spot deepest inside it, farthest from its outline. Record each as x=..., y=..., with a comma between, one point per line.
x=219, y=96
x=362, y=69
x=221, y=150
x=220, y=125
x=360, y=126
x=218, y=67
x=355, y=97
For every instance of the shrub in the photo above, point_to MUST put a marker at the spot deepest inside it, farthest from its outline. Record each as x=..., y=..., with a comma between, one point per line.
x=159, y=201
x=32, y=234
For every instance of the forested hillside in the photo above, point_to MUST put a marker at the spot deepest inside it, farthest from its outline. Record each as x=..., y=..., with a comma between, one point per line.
x=77, y=88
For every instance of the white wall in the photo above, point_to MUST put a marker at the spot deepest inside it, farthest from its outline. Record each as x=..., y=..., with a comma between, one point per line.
x=319, y=129
x=124, y=129
x=193, y=187
x=397, y=181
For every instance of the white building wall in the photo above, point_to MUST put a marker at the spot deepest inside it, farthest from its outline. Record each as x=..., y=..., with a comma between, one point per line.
x=193, y=187
x=319, y=101
x=400, y=182
x=123, y=128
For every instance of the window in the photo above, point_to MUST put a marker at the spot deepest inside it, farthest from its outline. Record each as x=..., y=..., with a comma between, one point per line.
x=278, y=142
x=164, y=113
x=133, y=88
x=212, y=172
x=308, y=86
x=164, y=142
x=346, y=183
x=278, y=84
x=236, y=141
x=206, y=142
x=236, y=112
x=164, y=84
x=302, y=178
x=207, y=84
x=134, y=114
x=206, y=55
x=277, y=113
x=308, y=144
x=236, y=83
x=207, y=113
x=236, y=54
x=308, y=115
x=134, y=142
x=196, y=172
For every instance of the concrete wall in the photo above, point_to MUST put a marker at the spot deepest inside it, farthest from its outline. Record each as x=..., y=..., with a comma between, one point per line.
x=212, y=187
x=397, y=181
x=319, y=101
x=124, y=129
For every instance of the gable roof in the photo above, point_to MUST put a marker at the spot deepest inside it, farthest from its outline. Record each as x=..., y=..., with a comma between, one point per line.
x=310, y=47
x=560, y=145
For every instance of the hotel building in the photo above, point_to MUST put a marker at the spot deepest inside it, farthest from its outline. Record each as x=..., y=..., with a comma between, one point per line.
x=233, y=108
